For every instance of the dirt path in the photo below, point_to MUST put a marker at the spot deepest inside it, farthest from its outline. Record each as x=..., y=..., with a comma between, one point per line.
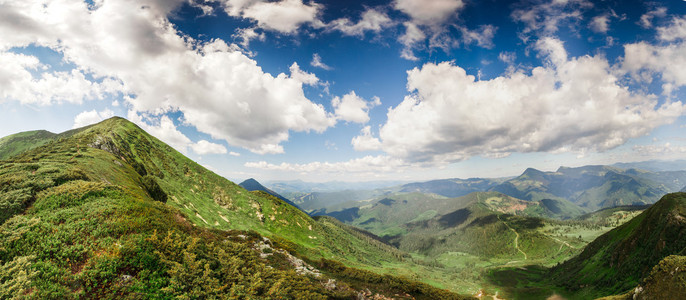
x=516, y=241
x=562, y=243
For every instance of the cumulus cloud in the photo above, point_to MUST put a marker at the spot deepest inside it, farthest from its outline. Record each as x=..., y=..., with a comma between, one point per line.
x=302, y=76
x=91, y=117
x=203, y=147
x=674, y=31
x=544, y=17
x=571, y=104
x=365, y=141
x=380, y=163
x=667, y=60
x=162, y=128
x=371, y=20
x=218, y=89
x=18, y=83
x=317, y=62
x=285, y=16
x=352, y=108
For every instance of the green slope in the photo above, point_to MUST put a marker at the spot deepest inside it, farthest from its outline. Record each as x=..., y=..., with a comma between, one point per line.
x=617, y=260
x=667, y=280
x=17, y=143
x=79, y=219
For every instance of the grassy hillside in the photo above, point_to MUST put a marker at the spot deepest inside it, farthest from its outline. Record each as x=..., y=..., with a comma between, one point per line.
x=452, y=187
x=17, y=143
x=667, y=280
x=613, y=216
x=617, y=260
x=84, y=215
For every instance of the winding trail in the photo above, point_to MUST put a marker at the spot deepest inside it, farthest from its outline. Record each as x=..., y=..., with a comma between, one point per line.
x=516, y=241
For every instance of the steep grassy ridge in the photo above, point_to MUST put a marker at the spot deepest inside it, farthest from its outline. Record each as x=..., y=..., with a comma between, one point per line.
x=84, y=216
x=617, y=260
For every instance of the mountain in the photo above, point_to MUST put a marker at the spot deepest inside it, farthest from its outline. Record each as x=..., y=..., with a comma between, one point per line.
x=253, y=185
x=616, y=261
x=108, y=211
x=454, y=187
x=20, y=142
x=303, y=187
x=594, y=187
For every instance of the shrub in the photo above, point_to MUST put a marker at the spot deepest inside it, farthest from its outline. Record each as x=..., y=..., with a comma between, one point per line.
x=153, y=188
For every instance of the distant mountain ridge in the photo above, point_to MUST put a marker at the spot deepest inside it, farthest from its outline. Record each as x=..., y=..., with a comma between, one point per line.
x=590, y=187
x=251, y=184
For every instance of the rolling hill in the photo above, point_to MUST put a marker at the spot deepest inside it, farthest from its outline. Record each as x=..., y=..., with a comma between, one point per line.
x=109, y=211
x=486, y=225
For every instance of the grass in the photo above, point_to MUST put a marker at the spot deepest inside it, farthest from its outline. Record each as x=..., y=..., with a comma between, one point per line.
x=84, y=216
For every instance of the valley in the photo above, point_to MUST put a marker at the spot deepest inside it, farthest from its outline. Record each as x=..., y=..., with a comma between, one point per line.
x=118, y=212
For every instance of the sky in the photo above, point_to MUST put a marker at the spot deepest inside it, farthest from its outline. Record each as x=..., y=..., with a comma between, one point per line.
x=322, y=90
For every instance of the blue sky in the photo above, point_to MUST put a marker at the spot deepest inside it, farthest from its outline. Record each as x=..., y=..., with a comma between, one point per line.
x=358, y=90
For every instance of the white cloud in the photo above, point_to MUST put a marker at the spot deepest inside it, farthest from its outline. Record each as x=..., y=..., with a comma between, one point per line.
x=483, y=36
x=431, y=18
x=162, y=128
x=365, y=141
x=429, y=12
x=600, y=24
x=91, y=117
x=203, y=147
x=666, y=150
x=675, y=31
x=546, y=16
x=248, y=34
x=352, y=108
x=234, y=154
x=302, y=76
x=647, y=19
x=507, y=57
x=285, y=16
x=218, y=89
x=317, y=62
x=372, y=20
x=572, y=104
x=17, y=83
x=413, y=35
x=643, y=60
x=380, y=163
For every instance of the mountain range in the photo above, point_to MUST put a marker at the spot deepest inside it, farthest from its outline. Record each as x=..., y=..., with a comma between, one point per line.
x=108, y=211
x=586, y=188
